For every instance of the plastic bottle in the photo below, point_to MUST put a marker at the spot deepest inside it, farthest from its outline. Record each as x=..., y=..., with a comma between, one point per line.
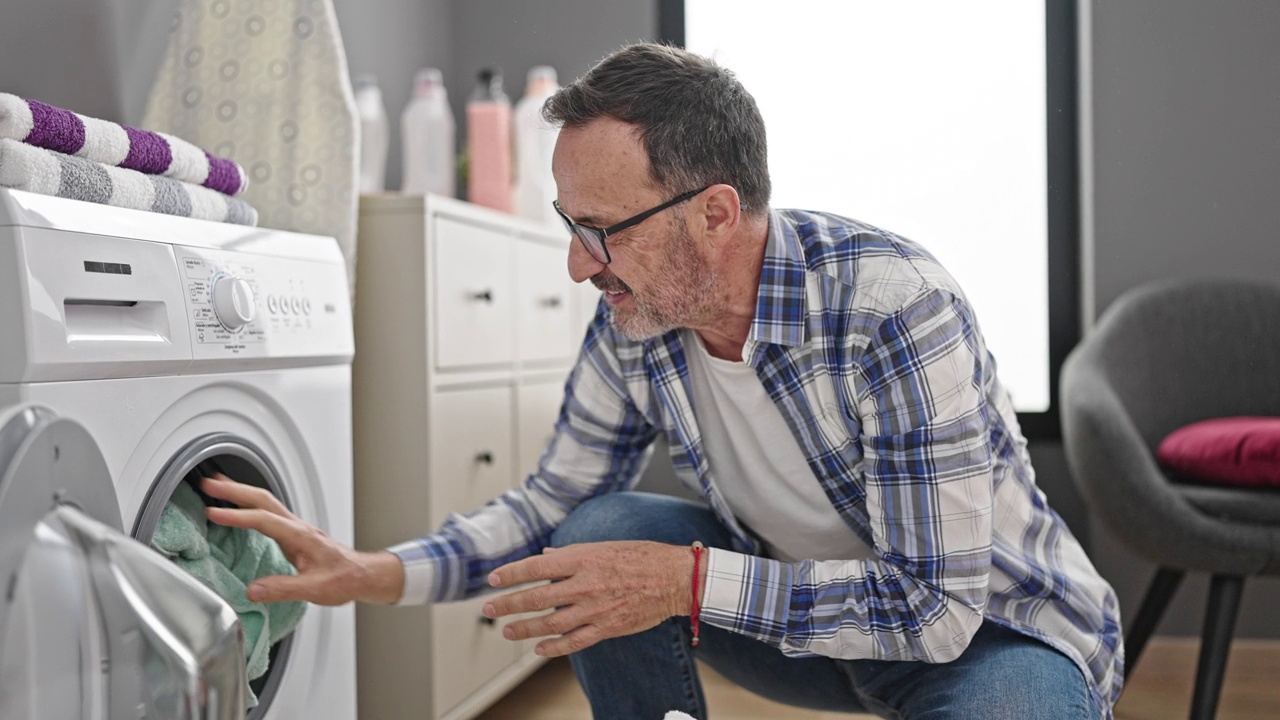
x=373, y=134
x=489, y=143
x=535, y=141
x=427, y=134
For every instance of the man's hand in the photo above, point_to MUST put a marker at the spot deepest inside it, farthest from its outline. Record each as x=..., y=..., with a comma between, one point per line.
x=329, y=573
x=607, y=590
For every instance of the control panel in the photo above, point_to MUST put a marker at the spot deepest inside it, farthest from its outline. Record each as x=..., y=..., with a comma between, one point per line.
x=223, y=302
x=94, y=292
x=244, y=305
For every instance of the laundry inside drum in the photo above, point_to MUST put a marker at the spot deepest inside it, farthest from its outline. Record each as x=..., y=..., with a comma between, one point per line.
x=227, y=559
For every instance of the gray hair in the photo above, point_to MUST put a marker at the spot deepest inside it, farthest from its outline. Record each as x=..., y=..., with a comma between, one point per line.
x=700, y=127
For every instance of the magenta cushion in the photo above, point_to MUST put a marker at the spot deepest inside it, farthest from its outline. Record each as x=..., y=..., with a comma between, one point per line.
x=1237, y=451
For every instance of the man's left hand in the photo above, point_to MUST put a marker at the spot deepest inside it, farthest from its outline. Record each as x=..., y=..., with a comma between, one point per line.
x=606, y=590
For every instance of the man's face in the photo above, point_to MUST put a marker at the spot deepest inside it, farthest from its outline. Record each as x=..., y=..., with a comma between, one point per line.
x=658, y=279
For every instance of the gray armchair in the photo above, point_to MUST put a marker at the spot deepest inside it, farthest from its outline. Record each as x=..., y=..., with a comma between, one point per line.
x=1161, y=357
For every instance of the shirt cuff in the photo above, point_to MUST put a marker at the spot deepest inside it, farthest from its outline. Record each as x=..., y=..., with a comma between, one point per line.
x=747, y=594
x=419, y=573
x=726, y=576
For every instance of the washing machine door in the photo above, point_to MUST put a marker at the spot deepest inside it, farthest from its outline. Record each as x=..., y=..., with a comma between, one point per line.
x=93, y=625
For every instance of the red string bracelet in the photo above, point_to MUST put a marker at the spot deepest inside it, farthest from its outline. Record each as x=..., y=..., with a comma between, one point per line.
x=696, y=609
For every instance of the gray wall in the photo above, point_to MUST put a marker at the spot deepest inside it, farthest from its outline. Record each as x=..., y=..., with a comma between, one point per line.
x=393, y=39
x=98, y=58
x=1185, y=165
x=569, y=35
x=1184, y=125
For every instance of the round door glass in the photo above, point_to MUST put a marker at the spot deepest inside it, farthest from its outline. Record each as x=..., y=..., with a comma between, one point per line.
x=225, y=559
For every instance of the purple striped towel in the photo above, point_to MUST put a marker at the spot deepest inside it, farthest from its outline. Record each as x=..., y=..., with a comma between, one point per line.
x=108, y=143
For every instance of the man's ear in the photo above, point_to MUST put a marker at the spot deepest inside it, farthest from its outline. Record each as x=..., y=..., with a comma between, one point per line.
x=719, y=212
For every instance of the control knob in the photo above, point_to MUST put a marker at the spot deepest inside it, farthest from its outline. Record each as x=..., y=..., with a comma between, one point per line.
x=233, y=302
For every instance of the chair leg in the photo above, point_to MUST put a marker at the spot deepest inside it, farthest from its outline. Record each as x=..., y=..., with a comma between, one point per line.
x=1215, y=643
x=1159, y=592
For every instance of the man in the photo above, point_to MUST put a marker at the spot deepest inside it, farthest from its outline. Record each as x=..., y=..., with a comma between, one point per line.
x=876, y=539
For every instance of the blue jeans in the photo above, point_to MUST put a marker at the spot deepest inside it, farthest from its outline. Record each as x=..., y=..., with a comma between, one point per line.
x=1003, y=675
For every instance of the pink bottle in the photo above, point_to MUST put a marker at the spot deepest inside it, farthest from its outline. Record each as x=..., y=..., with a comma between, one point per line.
x=489, y=143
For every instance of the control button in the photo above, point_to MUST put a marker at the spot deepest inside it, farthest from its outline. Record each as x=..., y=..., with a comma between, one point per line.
x=297, y=306
x=273, y=305
x=306, y=306
x=284, y=305
x=233, y=302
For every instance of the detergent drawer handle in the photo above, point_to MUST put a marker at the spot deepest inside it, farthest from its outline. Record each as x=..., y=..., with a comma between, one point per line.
x=485, y=456
x=488, y=621
x=483, y=296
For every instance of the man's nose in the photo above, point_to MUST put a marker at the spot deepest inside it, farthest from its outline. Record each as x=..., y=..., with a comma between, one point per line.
x=581, y=265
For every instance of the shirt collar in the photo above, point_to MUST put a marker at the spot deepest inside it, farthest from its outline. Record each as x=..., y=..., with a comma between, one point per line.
x=781, y=307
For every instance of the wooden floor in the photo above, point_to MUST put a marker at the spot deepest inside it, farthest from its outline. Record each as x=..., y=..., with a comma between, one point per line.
x=1159, y=690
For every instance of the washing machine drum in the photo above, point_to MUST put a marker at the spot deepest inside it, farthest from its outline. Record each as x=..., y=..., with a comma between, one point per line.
x=92, y=623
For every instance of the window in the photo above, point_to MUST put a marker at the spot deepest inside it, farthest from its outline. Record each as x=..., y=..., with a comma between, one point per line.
x=952, y=124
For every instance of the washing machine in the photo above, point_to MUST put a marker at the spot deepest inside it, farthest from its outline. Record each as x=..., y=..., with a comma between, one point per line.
x=161, y=348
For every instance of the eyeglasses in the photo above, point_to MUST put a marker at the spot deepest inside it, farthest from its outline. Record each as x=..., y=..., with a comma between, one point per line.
x=593, y=237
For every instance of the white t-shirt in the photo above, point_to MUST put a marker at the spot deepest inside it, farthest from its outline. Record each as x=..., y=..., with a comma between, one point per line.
x=758, y=465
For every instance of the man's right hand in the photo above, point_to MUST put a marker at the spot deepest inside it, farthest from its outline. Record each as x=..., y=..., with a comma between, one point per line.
x=329, y=573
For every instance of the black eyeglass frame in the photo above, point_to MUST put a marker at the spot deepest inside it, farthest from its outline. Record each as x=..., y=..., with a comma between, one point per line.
x=587, y=234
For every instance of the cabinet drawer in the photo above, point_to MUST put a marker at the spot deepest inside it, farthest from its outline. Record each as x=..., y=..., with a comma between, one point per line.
x=474, y=300
x=544, y=305
x=537, y=409
x=471, y=449
x=467, y=651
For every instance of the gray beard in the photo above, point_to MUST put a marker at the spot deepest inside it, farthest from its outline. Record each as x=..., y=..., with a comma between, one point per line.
x=684, y=297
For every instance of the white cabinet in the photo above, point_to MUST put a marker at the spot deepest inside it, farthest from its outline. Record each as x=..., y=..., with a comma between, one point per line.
x=466, y=326
x=474, y=295
x=545, y=324
x=537, y=408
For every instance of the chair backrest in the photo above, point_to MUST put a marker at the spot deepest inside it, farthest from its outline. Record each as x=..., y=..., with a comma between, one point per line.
x=1181, y=351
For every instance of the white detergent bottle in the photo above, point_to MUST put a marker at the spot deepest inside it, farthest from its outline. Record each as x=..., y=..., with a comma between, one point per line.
x=428, y=135
x=373, y=134
x=535, y=187
x=489, y=143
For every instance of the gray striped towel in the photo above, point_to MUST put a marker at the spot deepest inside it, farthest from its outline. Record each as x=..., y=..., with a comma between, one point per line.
x=26, y=167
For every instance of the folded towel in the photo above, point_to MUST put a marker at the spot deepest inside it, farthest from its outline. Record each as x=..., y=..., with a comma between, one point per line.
x=26, y=167
x=226, y=560
x=100, y=141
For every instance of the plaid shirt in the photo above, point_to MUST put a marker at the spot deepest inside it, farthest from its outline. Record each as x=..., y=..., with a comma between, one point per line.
x=873, y=356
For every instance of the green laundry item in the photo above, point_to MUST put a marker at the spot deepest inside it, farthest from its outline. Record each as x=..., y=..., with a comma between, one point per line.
x=226, y=560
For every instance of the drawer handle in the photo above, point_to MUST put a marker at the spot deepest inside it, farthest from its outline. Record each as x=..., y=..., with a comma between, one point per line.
x=485, y=456
x=483, y=296
x=552, y=302
x=488, y=621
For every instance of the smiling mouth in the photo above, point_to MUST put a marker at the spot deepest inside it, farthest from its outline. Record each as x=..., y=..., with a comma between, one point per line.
x=614, y=297
x=610, y=286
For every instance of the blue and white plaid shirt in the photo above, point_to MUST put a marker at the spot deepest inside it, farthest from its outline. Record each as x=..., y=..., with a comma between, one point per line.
x=873, y=355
